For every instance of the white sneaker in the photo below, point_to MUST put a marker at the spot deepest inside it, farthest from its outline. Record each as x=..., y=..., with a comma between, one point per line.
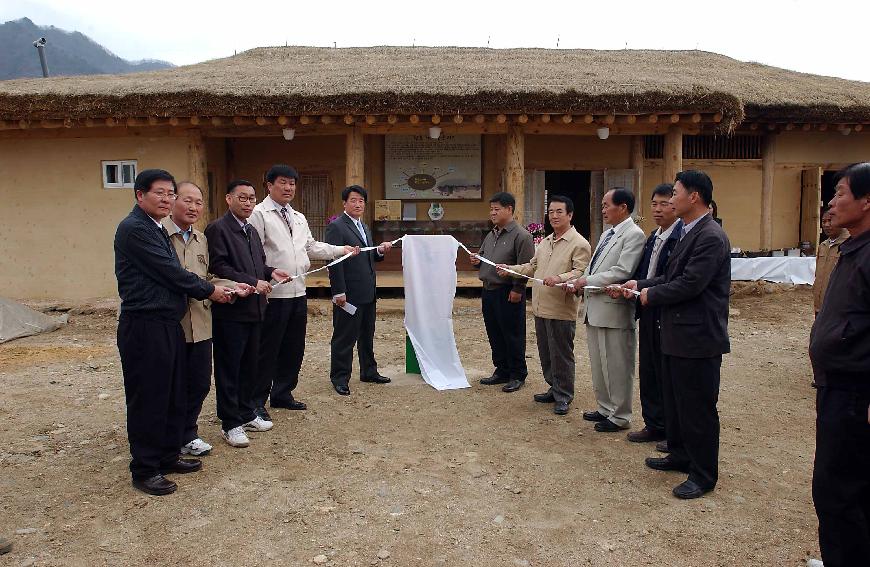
x=197, y=448
x=236, y=437
x=258, y=424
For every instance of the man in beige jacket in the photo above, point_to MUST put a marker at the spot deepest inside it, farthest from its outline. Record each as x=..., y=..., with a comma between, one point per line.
x=191, y=248
x=826, y=258
x=560, y=257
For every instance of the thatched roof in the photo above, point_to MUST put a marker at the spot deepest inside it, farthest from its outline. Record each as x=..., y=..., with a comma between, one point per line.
x=312, y=80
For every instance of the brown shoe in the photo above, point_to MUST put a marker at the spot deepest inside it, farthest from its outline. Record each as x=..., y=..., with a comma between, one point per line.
x=645, y=435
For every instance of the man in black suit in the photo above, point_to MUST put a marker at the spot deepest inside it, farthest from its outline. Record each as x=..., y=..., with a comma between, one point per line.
x=154, y=289
x=655, y=257
x=236, y=253
x=353, y=283
x=693, y=297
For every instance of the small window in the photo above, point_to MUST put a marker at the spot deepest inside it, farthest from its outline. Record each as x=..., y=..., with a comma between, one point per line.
x=119, y=174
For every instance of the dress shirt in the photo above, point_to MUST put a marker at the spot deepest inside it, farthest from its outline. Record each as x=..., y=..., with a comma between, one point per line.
x=691, y=225
x=661, y=238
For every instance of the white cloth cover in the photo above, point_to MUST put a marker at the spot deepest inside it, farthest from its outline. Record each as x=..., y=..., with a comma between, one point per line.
x=784, y=269
x=429, y=267
x=17, y=320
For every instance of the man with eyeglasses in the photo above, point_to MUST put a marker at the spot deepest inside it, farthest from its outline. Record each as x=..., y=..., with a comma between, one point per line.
x=236, y=254
x=154, y=290
x=561, y=256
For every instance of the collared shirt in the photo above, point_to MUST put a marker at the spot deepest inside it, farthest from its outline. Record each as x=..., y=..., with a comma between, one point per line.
x=359, y=228
x=286, y=249
x=826, y=259
x=193, y=255
x=661, y=238
x=512, y=244
x=691, y=225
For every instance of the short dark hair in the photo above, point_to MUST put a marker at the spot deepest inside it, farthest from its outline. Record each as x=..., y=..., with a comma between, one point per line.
x=281, y=170
x=696, y=181
x=663, y=190
x=345, y=193
x=231, y=186
x=504, y=199
x=858, y=176
x=622, y=196
x=147, y=177
x=569, y=204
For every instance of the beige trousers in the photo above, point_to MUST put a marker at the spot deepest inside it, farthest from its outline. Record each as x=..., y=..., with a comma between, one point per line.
x=611, y=356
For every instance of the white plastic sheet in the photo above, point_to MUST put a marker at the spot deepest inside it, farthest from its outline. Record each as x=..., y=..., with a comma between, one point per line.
x=17, y=320
x=429, y=266
x=783, y=269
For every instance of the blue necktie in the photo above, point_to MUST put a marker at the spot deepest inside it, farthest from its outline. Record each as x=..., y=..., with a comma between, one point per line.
x=362, y=231
x=610, y=233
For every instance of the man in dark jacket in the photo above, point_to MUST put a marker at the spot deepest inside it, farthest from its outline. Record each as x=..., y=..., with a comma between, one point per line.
x=154, y=289
x=840, y=354
x=236, y=253
x=353, y=282
x=655, y=257
x=693, y=297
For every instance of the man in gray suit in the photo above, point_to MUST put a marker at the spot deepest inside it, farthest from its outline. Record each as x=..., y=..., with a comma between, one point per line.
x=610, y=323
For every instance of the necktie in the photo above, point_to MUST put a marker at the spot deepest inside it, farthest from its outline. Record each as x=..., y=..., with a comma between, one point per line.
x=246, y=228
x=604, y=242
x=286, y=219
x=362, y=231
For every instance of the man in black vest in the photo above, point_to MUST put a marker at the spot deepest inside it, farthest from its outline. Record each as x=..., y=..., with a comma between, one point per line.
x=693, y=297
x=154, y=289
x=353, y=283
x=236, y=253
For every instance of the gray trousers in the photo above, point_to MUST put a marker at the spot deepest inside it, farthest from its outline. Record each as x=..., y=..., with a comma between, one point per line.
x=611, y=356
x=556, y=351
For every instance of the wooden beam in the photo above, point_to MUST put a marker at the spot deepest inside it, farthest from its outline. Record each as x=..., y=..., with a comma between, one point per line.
x=696, y=118
x=304, y=120
x=436, y=119
x=515, y=167
x=501, y=118
x=216, y=121
x=479, y=118
x=194, y=120
x=675, y=118
x=567, y=118
x=653, y=118
x=858, y=127
x=768, y=163
x=173, y=121
x=588, y=118
x=823, y=127
x=262, y=120
x=371, y=119
x=635, y=162
x=283, y=120
x=355, y=157
x=392, y=119
x=806, y=127
x=414, y=119
x=327, y=119
x=110, y=122
x=458, y=119
x=89, y=123
x=522, y=118
x=349, y=119
x=609, y=119
x=242, y=121
x=197, y=166
x=545, y=118
x=673, y=154
x=153, y=121
x=717, y=117
x=630, y=119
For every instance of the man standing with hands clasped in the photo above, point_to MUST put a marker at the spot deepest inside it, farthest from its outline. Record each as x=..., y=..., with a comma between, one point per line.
x=693, y=297
x=353, y=282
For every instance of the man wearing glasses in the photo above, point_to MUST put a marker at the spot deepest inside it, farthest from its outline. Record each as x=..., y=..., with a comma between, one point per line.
x=561, y=256
x=236, y=254
x=154, y=289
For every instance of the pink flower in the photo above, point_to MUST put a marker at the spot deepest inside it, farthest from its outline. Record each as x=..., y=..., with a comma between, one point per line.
x=330, y=219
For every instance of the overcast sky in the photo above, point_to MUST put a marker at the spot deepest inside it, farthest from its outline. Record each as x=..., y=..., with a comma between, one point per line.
x=827, y=38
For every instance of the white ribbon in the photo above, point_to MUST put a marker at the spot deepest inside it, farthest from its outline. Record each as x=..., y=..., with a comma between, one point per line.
x=336, y=261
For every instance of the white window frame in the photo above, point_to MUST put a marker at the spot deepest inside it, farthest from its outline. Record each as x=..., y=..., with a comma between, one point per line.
x=104, y=164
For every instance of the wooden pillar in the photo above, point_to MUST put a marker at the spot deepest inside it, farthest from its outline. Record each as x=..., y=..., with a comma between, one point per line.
x=197, y=170
x=673, y=154
x=636, y=163
x=355, y=156
x=768, y=161
x=515, y=151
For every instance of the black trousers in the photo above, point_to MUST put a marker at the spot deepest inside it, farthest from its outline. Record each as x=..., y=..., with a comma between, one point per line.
x=236, y=350
x=652, y=406
x=198, y=378
x=841, y=477
x=505, y=324
x=349, y=330
x=152, y=360
x=691, y=392
x=282, y=348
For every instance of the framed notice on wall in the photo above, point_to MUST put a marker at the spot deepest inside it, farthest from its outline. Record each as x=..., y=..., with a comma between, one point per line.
x=426, y=169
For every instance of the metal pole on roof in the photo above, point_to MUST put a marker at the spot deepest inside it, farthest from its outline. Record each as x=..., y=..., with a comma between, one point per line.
x=39, y=44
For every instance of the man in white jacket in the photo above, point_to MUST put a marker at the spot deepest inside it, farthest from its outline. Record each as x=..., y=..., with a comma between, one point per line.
x=288, y=243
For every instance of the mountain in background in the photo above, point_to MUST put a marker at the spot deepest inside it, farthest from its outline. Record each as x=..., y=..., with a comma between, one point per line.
x=68, y=53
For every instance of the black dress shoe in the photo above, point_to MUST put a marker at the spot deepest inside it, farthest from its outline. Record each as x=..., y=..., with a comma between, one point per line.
x=545, y=398
x=182, y=466
x=494, y=379
x=593, y=416
x=690, y=489
x=291, y=405
x=342, y=389
x=645, y=435
x=560, y=408
x=513, y=386
x=606, y=426
x=262, y=414
x=666, y=464
x=376, y=379
x=157, y=485
x=662, y=446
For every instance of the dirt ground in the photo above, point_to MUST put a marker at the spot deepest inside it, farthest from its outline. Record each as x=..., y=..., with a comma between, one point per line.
x=404, y=475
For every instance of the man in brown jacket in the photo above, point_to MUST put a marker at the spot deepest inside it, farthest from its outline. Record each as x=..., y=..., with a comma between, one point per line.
x=560, y=257
x=826, y=258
